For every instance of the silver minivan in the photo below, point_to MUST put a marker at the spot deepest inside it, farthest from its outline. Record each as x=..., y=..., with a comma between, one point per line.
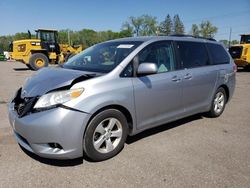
x=90, y=104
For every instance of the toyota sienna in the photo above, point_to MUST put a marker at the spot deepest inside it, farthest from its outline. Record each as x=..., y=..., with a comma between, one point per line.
x=90, y=104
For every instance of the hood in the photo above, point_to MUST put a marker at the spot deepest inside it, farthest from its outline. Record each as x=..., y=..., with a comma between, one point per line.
x=26, y=40
x=48, y=79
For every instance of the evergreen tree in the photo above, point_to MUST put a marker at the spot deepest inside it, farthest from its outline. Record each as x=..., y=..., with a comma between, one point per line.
x=178, y=25
x=195, y=30
x=166, y=26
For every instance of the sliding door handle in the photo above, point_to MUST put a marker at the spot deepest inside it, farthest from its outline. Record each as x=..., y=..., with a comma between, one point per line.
x=175, y=79
x=188, y=76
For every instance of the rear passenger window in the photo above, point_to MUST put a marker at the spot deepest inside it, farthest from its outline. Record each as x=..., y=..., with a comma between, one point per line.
x=160, y=53
x=218, y=54
x=192, y=54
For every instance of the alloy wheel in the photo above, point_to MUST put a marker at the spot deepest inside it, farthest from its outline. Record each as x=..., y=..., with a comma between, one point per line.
x=219, y=102
x=107, y=135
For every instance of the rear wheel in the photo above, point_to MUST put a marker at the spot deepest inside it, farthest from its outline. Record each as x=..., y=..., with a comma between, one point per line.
x=105, y=135
x=218, y=103
x=38, y=61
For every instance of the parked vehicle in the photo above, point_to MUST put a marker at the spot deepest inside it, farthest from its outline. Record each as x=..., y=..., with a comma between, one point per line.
x=7, y=55
x=44, y=49
x=2, y=56
x=241, y=52
x=119, y=88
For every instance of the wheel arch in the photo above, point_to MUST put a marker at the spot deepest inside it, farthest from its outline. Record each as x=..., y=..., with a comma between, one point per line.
x=122, y=109
x=225, y=87
x=40, y=51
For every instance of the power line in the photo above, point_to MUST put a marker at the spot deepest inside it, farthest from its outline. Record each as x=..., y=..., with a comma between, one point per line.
x=233, y=26
x=218, y=16
x=234, y=32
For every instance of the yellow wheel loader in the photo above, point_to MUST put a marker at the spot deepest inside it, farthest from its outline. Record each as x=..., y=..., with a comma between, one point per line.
x=44, y=49
x=241, y=52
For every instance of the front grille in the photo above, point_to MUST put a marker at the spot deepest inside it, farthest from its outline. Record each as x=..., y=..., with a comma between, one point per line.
x=235, y=51
x=23, y=106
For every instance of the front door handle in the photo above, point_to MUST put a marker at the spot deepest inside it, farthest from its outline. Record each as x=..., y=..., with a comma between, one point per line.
x=188, y=76
x=175, y=79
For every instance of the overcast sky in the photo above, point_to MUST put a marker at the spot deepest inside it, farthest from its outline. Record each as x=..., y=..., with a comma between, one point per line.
x=21, y=15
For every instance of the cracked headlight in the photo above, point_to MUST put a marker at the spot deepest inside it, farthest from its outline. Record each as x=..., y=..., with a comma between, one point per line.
x=57, y=97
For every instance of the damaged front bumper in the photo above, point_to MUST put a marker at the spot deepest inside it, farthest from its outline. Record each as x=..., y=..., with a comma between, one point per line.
x=56, y=133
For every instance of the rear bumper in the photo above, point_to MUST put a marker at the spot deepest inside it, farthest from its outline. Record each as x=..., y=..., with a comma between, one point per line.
x=231, y=86
x=62, y=126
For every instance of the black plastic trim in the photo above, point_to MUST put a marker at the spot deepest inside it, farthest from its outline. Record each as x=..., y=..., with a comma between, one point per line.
x=57, y=106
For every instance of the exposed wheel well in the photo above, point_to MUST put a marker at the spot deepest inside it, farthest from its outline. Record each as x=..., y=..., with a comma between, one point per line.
x=40, y=51
x=121, y=109
x=226, y=90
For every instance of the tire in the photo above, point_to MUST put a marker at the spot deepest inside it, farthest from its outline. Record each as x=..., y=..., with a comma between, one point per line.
x=38, y=61
x=218, y=103
x=98, y=138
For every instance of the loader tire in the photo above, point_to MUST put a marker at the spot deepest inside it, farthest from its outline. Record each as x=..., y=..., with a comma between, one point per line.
x=38, y=61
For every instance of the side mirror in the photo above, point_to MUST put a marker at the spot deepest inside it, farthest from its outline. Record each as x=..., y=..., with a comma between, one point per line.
x=147, y=69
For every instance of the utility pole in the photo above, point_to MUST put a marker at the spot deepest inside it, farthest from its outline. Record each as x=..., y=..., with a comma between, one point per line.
x=69, y=37
x=230, y=35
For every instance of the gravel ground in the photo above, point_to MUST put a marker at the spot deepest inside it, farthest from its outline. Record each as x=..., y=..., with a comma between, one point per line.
x=192, y=152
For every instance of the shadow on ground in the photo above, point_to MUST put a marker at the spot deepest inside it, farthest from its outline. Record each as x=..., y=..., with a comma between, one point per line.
x=164, y=127
x=130, y=140
x=21, y=69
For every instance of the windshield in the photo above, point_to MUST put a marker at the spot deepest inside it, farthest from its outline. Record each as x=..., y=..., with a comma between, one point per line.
x=103, y=57
x=245, y=39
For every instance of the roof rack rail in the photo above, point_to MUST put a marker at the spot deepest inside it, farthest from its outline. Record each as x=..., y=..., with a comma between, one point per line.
x=198, y=37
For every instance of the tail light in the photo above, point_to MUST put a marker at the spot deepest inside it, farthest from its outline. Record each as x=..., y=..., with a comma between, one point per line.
x=235, y=67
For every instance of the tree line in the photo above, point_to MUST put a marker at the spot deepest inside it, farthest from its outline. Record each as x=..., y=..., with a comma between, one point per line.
x=144, y=25
x=148, y=25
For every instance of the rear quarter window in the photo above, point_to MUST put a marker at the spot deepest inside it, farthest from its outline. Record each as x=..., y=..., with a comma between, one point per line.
x=218, y=54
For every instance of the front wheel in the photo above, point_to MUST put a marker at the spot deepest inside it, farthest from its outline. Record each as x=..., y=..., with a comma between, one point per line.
x=218, y=103
x=105, y=135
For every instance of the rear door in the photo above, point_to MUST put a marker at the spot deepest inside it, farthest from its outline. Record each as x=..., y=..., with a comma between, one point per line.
x=158, y=96
x=199, y=77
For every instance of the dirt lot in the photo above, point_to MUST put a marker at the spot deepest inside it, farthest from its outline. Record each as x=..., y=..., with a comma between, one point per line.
x=192, y=152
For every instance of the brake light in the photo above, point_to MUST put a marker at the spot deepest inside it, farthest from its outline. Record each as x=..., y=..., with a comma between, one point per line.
x=235, y=67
